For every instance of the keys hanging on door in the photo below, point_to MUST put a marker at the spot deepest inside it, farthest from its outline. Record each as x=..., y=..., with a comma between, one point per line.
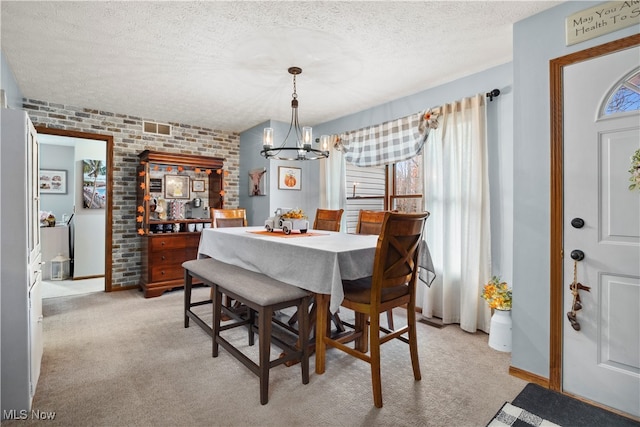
x=575, y=287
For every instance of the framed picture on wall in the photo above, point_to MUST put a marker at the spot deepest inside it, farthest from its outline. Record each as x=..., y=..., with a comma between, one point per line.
x=289, y=178
x=53, y=181
x=176, y=186
x=94, y=184
x=257, y=182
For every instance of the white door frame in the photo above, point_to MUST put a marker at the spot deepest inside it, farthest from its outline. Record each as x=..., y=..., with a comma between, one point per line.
x=557, y=185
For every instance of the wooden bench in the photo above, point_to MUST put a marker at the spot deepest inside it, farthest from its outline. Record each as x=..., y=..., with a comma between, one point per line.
x=262, y=295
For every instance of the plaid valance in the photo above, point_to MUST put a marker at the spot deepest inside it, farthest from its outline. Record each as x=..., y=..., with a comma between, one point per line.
x=389, y=142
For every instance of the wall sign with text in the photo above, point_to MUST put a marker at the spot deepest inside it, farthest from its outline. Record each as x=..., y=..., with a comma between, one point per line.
x=600, y=20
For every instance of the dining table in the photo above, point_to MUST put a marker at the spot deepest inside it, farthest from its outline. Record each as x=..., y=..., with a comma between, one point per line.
x=317, y=261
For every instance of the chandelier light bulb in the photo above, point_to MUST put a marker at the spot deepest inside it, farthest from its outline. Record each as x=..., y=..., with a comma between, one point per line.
x=267, y=138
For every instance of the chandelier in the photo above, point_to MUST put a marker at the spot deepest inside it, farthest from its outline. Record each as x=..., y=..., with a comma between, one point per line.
x=303, y=149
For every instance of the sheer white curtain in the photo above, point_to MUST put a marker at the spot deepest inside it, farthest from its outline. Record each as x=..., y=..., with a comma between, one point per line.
x=456, y=186
x=333, y=182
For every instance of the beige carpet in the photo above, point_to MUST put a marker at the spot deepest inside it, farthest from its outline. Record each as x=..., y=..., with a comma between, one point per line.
x=115, y=359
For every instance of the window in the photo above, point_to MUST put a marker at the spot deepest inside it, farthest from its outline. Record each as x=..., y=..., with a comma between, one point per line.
x=366, y=189
x=407, y=185
x=625, y=97
x=394, y=187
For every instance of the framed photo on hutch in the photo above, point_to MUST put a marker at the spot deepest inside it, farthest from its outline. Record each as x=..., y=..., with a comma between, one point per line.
x=176, y=187
x=197, y=185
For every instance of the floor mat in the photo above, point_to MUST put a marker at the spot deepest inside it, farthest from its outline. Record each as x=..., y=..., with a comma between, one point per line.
x=510, y=415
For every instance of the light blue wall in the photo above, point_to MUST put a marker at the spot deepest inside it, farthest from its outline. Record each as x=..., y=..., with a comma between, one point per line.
x=9, y=84
x=58, y=157
x=250, y=145
x=537, y=40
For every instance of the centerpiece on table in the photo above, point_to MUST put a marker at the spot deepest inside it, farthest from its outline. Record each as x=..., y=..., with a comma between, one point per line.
x=288, y=220
x=498, y=295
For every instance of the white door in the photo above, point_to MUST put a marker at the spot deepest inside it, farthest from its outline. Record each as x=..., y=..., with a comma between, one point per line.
x=601, y=360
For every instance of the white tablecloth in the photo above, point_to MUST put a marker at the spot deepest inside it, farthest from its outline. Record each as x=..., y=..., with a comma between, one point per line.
x=316, y=263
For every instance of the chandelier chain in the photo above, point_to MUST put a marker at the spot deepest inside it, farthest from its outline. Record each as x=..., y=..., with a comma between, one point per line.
x=295, y=93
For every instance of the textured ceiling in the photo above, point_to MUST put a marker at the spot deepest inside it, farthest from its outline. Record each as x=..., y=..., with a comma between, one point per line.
x=224, y=65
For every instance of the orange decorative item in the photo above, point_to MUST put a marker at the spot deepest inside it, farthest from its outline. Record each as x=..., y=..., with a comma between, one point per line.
x=180, y=168
x=222, y=192
x=141, y=231
x=169, y=168
x=156, y=167
x=208, y=171
x=219, y=171
x=197, y=170
x=290, y=180
x=147, y=197
x=140, y=209
x=142, y=173
x=143, y=185
x=139, y=218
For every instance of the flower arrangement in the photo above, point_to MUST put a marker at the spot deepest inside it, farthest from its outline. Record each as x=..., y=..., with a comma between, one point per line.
x=497, y=294
x=294, y=214
x=635, y=171
x=44, y=215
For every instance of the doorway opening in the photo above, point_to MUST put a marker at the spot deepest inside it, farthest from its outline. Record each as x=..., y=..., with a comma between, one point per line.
x=81, y=268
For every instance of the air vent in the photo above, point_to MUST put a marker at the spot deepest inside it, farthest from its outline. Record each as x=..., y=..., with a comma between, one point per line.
x=156, y=128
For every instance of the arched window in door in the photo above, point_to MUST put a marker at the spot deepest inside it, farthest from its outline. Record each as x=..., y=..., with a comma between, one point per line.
x=625, y=96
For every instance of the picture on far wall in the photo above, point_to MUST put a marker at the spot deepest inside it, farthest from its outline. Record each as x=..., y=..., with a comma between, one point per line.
x=94, y=184
x=258, y=182
x=53, y=181
x=289, y=178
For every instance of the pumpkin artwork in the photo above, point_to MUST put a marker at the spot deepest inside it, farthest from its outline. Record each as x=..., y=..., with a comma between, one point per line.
x=290, y=180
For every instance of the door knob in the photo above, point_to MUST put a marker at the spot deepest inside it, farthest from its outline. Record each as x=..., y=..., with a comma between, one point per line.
x=577, y=222
x=577, y=255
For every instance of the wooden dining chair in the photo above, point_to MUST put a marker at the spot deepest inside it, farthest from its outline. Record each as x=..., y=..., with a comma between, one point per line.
x=221, y=218
x=370, y=222
x=328, y=219
x=393, y=284
x=228, y=218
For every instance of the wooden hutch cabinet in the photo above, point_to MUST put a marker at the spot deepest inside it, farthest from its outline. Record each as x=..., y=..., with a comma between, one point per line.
x=174, y=194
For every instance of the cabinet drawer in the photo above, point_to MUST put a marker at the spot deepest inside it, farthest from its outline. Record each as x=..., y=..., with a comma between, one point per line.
x=168, y=257
x=160, y=273
x=161, y=243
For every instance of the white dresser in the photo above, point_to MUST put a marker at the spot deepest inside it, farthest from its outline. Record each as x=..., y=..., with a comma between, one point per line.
x=55, y=241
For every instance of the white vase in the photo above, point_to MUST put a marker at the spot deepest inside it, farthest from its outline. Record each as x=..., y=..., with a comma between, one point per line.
x=500, y=330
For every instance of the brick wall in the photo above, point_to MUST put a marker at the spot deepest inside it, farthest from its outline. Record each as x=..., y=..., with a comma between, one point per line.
x=129, y=141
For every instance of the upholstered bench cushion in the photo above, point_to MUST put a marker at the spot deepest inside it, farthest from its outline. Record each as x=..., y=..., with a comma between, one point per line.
x=256, y=287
